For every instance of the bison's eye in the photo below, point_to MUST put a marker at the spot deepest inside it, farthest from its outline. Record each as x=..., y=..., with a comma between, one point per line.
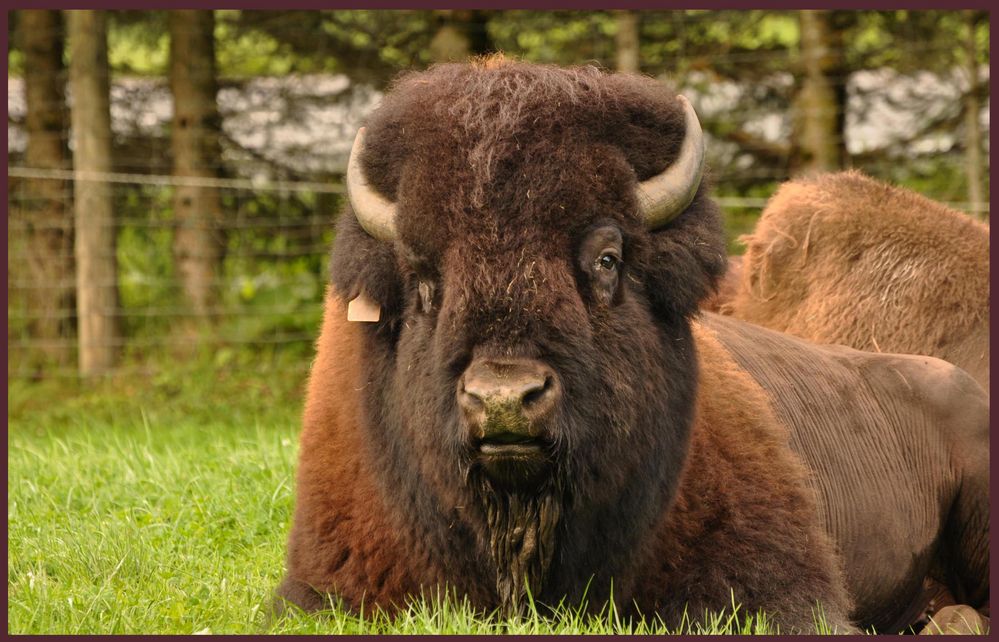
x=609, y=261
x=600, y=255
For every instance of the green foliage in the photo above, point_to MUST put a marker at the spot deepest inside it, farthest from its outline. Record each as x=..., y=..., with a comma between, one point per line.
x=271, y=287
x=775, y=30
x=138, y=43
x=371, y=46
x=669, y=38
x=279, y=42
x=560, y=37
x=395, y=39
x=275, y=277
x=243, y=54
x=145, y=266
x=15, y=63
x=912, y=40
x=735, y=44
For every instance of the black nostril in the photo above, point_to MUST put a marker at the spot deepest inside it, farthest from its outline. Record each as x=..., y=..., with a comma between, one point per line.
x=471, y=396
x=536, y=394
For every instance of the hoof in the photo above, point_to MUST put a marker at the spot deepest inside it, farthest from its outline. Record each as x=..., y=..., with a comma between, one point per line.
x=959, y=619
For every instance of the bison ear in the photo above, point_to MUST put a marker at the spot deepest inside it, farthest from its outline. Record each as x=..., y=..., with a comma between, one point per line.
x=683, y=263
x=361, y=264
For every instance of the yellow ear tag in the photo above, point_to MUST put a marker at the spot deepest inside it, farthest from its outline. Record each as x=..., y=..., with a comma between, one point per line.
x=363, y=309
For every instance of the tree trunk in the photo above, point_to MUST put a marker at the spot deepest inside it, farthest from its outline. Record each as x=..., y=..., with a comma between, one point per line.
x=460, y=34
x=627, y=41
x=96, y=273
x=820, y=106
x=45, y=211
x=198, y=239
x=972, y=125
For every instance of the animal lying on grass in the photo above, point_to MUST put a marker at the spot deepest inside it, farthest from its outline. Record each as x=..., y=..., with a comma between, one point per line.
x=534, y=410
x=842, y=258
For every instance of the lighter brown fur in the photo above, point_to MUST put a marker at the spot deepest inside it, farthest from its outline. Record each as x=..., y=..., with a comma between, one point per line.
x=342, y=541
x=842, y=258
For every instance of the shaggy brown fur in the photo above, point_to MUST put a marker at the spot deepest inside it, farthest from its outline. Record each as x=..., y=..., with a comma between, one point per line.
x=340, y=538
x=757, y=542
x=505, y=177
x=842, y=258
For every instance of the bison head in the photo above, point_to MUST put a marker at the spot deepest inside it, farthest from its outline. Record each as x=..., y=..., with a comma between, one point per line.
x=537, y=239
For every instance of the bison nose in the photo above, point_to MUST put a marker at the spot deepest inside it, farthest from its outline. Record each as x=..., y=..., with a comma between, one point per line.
x=507, y=399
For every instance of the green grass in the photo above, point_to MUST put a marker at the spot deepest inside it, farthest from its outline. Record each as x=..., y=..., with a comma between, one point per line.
x=161, y=503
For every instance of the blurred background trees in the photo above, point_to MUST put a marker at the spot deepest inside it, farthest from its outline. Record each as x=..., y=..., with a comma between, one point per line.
x=215, y=144
x=47, y=264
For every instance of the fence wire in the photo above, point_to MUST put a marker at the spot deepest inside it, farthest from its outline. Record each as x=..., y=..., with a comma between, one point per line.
x=284, y=142
x=274, y=239
x=269, y=288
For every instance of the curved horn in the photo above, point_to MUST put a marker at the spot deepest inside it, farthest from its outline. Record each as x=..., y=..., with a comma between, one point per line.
x=661, y=198
x=374, y=212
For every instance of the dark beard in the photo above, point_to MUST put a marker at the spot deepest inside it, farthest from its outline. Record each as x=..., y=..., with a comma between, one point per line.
x=521, y=527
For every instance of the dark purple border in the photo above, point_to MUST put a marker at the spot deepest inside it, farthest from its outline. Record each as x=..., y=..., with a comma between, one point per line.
x=520, y=4
x=582, y=5
x=3, y=36
x=993, y=538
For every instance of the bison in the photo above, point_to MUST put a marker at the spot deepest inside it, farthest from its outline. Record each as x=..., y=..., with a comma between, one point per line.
x=533, y=408
x=842, y=258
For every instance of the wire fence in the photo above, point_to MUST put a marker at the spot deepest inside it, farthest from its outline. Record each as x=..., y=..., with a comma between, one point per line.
x=268, y=288
x=264, y=185
x=284, y=141
x=277, y=236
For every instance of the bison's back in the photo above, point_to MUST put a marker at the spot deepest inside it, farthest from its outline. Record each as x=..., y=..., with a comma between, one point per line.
x=845, y=259
x=887, y=438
